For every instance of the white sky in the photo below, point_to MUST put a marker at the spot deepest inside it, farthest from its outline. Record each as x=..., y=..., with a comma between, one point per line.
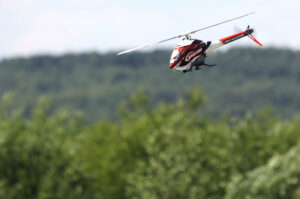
x=59, y=26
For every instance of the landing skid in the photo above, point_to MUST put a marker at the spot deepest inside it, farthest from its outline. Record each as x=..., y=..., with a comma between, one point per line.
x=210, y=65
x=198, y=67
x=189, y=70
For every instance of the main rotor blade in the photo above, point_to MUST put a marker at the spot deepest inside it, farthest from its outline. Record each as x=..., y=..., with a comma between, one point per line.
x=192, y=32
x=181, y=35
x=147, y=45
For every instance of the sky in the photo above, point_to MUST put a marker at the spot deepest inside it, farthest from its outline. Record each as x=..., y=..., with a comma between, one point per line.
x=30, y=27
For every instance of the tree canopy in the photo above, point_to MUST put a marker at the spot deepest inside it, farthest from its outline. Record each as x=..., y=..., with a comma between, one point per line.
x=170, y=150
x=245, y=79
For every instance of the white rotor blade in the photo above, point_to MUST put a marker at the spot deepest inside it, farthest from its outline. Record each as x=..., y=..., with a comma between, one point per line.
x=133, y=49
x=182, y=35
x=192, y=32
x=147, y=45
x=255, y=32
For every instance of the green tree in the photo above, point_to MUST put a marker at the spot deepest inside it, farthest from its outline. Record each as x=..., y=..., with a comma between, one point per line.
x=279, y=178
x=37, y=156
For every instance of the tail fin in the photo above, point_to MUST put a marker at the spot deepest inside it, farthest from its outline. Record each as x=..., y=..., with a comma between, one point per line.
x=252, y=37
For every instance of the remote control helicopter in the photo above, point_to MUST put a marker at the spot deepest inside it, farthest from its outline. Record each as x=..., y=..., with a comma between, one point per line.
x=191, y=53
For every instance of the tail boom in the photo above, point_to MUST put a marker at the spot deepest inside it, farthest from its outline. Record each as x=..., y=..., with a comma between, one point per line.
x=226, y=40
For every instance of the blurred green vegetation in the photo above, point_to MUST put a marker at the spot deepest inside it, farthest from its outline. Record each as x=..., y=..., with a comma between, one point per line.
x=142, y=131
x=245, y=79
x=170, y=150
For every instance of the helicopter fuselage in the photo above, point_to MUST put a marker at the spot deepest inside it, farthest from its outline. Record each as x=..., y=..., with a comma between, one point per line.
x=192, y=52
x=187, y=53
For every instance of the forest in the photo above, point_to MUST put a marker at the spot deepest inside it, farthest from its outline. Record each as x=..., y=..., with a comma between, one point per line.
x=100, y=126
x=245, y=79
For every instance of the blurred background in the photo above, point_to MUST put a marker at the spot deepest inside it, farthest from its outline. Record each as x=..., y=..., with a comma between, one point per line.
x=77, y=121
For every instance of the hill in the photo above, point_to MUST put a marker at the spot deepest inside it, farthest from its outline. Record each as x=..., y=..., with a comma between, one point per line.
x=245, y=79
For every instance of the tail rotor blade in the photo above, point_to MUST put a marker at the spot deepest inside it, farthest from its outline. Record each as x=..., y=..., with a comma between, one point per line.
x=255, y=31
x=237, y=29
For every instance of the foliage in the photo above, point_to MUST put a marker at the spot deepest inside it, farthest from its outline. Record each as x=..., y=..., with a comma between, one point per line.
x=279, y=178
x=170, y=150
x=244, y=79
x=38, y=155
